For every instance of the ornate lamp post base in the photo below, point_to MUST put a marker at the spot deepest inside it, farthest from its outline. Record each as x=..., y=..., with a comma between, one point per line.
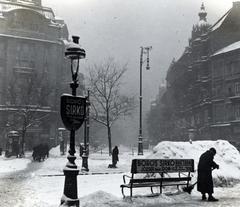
x=84, y=162
x=70, y=194
x=140, y=146
x=65, y=202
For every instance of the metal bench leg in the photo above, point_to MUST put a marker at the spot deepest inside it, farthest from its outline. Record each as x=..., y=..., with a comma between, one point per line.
x=123, y=193
x=152, y=190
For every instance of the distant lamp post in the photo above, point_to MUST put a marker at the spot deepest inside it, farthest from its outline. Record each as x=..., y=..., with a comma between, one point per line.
x=73, y=110
x=86, y=136
x=191, y=134
x=144, y=50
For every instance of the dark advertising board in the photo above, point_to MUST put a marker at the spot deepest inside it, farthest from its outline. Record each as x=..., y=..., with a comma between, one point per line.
x=163, y=165
x=73, y=111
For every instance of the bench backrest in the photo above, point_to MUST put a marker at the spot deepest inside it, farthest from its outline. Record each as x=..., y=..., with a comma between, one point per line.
x=162, y=165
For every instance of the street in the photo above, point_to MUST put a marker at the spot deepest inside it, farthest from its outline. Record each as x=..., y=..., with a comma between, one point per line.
x=40, y=184
x=12, y=186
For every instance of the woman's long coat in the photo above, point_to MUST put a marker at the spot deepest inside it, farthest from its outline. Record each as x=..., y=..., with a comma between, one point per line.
x=115, y=155
x=205, y=166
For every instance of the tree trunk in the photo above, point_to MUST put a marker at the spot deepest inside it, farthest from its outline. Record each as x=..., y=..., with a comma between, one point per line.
x=23, y=141
x=109, y=140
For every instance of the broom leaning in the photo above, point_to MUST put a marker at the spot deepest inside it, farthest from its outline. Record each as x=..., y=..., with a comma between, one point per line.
x=189, y=188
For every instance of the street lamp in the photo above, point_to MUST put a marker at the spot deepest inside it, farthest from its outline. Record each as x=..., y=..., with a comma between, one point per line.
x=144, y=50
x=86, y=136
x=72, y=112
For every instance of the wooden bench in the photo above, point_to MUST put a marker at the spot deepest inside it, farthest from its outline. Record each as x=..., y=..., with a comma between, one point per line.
x=158, y=173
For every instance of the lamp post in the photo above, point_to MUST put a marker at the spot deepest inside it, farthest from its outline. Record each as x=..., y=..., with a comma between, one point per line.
x=73, y=113
x=144, y=50
x=86, y=136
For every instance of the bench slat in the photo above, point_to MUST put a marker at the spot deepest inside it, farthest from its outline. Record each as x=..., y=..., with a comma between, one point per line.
x=154, y=180
x=139, y=185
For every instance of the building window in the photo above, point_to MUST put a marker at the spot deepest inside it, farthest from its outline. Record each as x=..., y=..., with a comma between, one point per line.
x=197, y=119
x=219, y=112
x=231, y=68
x=2, y=50
x=237, y=112
x=229, y=112
x=25, y=55
x=217, y=91
x=237, y=89
x=206, y=116
x=217, y=69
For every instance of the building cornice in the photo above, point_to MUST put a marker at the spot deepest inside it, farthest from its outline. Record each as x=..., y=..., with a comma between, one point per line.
x=59, y=41
x=37, y=8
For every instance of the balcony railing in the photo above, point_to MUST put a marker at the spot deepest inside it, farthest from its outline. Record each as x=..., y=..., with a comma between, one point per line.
x=234, y=97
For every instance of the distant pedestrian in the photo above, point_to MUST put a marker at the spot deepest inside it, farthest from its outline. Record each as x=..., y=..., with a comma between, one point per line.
x=115, y=159
x=204, y=180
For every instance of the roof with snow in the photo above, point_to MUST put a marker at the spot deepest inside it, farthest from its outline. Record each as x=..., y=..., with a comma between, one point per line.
x=232, y=14
x=220, y=21
x=229, y=48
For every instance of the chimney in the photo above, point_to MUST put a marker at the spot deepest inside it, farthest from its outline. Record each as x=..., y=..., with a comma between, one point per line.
x=236, y=4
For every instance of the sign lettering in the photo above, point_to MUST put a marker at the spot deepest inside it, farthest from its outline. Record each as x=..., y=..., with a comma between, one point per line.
x=163, y=165
x=74, y=110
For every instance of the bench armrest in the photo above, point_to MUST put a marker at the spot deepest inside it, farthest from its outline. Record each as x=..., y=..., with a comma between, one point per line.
x=124, y=178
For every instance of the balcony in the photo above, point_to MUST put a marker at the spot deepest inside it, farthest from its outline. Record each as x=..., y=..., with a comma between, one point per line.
x=220, y=125
x=23, y=70
x=217, y=99
x=206, y=101
x=234, y=97
x=205, y=79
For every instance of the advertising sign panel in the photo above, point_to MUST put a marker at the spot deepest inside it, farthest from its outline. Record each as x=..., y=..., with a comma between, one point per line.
x=73, y=111
x=163, y=165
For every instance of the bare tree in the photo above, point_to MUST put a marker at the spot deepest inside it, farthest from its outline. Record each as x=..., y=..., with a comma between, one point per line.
x=29, y=98
x=107, y=102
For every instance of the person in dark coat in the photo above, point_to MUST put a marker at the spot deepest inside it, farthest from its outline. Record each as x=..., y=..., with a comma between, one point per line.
x=204, y=180
x=115, y=153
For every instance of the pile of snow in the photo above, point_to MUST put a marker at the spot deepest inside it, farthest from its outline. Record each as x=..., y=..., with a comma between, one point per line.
x=228, y=157
x=104, y=199
x=99, y=198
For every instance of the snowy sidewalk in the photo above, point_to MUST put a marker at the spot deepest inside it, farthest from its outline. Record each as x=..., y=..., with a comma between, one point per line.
x=101, y=187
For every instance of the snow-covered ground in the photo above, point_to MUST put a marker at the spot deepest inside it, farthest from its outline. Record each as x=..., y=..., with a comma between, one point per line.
x=42, y=183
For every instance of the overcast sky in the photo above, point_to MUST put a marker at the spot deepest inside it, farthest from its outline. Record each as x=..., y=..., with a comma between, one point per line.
x=117, y=28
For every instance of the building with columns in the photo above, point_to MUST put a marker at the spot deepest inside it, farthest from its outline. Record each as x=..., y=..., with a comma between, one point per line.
x=33, y=70
x=203, y=86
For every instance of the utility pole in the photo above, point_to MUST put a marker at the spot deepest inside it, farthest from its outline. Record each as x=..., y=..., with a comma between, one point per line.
x=144, y=50
x=86, y=136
